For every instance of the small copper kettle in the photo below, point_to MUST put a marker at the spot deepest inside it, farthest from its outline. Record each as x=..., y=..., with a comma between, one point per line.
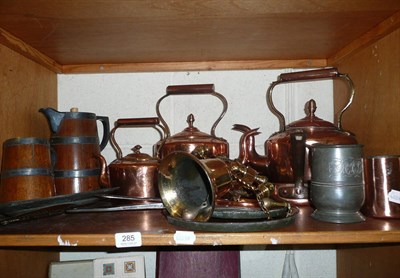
x=135, y=174
x=286, y=161
x=191, y=137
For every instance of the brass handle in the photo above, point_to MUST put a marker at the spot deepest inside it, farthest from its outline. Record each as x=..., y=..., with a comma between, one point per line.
x=153, y=122
x=309, y=75
x=197, y=89
x=306, y=76
x=137, y=121
x=190, y=89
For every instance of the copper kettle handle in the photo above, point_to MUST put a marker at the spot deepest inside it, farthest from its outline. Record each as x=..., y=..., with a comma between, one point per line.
x=305, y=76
x=134, y=122
x=197, y=89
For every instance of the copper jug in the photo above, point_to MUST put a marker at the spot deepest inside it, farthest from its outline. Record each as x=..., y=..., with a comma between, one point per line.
x=191, y=137
x=75, y=141
x=135, y=174
x=286, y=159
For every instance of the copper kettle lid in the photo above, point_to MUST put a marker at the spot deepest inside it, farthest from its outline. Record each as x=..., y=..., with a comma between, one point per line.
x=192, y=133
x=136, y=156
x=311, y=120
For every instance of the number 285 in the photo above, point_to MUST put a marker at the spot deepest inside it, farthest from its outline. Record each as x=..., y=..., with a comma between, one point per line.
x=128, y=238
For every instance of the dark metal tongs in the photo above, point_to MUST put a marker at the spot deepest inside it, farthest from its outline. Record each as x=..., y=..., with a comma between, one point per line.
x=94, y=204
x=145, y=204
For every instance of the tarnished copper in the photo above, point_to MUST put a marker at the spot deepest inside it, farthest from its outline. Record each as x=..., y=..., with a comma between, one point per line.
x=382, y=178
x=286, y=159
x=136, y=173
x=191, y=137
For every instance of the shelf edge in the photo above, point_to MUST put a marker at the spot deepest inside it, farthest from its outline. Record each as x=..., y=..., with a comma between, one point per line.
x=194, y=66
x=202, y=238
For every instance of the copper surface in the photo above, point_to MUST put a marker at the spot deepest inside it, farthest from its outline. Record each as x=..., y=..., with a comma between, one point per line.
x=382, y=175
x=286, y=159
x=136, y=173
x=191, y=137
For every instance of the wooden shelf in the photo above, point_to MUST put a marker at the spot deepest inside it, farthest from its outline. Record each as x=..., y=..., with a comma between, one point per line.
x=360, y=37
x=98, y=229
x=158, y=35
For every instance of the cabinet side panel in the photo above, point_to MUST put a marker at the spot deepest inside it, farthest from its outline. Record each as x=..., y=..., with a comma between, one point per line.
x=374, y=118
x=374, y=114
x=25, y=86
x=368, y=262
x=26, y=263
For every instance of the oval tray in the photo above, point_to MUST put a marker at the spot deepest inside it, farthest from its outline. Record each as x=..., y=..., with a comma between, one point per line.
x=247, y=213
x=227, y=225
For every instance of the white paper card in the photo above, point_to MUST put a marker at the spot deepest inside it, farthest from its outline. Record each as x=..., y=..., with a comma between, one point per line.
x=133, y=239
x=394, y=196
x=184, y=237
x=81, y=269
x=119, y=267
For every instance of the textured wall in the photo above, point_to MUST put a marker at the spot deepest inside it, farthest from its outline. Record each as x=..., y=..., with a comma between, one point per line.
x=135, y=95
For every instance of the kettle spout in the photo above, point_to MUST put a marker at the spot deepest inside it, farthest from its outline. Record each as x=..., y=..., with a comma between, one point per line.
x=247, y=151
x=104, y=180
x=53, y=117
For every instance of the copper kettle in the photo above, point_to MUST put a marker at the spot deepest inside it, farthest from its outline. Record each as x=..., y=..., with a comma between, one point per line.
x=286, y=159
x=136, y=173
x=191, y=137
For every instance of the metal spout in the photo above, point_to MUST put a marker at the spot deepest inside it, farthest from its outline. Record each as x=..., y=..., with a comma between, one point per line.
x=247, y=151
x=53, y=117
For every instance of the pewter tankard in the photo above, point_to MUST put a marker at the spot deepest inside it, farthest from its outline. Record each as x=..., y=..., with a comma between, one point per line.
x=337, y=189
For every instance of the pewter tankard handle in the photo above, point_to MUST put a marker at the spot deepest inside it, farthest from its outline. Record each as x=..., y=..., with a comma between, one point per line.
x=305, y=76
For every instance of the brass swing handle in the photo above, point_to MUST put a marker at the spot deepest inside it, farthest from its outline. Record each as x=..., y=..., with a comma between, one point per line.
x=153, y=122
x=193, y=89
x=137, y=122
x=306, y=76
x=309, y=75
x=190, y=89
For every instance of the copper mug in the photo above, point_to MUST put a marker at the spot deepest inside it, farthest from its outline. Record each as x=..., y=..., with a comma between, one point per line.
x=26, y=170
x=382, y=178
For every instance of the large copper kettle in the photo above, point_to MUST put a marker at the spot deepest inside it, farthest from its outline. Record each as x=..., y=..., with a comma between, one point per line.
x=286, y=162
x=136, y=173
x=191, y=137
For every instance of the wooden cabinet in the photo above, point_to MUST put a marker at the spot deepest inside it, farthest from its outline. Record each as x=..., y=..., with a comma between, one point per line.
x=362, y=38
x=375, y=120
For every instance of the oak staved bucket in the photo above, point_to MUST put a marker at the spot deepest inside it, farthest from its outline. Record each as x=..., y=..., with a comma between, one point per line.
x=26, y=170
x=76, y=144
